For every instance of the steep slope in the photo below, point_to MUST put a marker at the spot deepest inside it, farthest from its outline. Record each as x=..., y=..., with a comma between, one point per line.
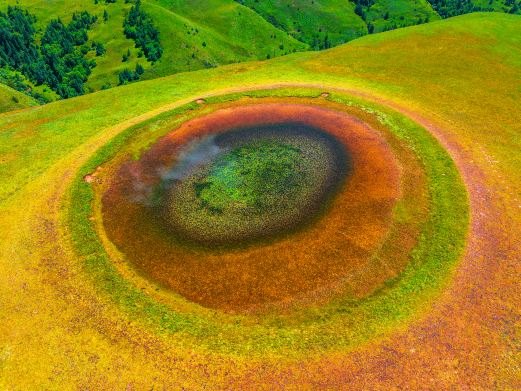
x=340, y=21
x=388, y=15
x=202, y=34
x=13, y=100
x=458, y=78
x=320, y=24
x=197, y=35
x=205, y=34
x=448, y=8
x=309, y=21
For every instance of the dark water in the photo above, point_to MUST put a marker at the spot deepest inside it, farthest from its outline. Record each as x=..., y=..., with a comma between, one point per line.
x=174, y=205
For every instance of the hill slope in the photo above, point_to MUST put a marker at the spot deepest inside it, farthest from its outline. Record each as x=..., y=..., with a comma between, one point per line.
x=388, y=14
x=205, y=34
x=342, y=21
x=13, y=100
x=320, y=24
x=411, y=58
x=201, y=34
x=197, y=35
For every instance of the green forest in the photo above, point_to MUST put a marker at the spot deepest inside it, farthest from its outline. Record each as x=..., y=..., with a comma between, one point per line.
x=59, y=58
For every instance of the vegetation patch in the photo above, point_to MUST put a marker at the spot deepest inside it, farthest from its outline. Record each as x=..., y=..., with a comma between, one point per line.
x=76, y=48
x=11, y=99
x=59, y=61
x=139, y=27
x=242, y=185
x=449, y=8
x=254, y=176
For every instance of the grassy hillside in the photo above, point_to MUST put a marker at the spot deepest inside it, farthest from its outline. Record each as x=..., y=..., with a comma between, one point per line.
x=342, y=21
x=205, y=34
x=195, y=35
x=208, y=33
x=448, y=8
x=312, y=21
x=93, y=113
x=13, y=100
x=388, y=14
x=460, y=78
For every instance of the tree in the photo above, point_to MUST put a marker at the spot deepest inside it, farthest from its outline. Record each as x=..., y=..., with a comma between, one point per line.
x=63, y=55
x=139, y=27
x=327, y=43
x=59, y=60
x=125, y=76
x=359, y=10
x=99, y=48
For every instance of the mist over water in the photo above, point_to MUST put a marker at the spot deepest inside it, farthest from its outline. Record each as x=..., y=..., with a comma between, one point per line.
x=220, y=221
x=197, y=153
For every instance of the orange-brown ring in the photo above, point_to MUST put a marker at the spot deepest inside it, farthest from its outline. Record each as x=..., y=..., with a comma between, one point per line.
x=338, y=245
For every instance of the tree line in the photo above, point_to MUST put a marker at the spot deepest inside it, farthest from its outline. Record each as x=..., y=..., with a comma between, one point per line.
x=448, y=8
x=58, y=60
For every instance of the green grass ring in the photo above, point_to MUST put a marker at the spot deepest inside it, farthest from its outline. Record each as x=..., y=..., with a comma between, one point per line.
x=337, y=326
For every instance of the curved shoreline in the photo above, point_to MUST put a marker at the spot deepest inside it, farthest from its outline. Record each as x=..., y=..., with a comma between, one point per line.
x=415, y=278
x=339, y=241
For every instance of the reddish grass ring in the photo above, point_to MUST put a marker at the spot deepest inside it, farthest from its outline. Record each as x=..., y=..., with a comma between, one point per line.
x=303, y=266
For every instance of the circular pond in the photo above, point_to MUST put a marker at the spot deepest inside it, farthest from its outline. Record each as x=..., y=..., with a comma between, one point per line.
x=248, y=184
x=255, y=205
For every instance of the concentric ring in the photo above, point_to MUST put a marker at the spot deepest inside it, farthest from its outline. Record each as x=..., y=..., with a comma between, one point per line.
x=344, y=310
x=339, y=243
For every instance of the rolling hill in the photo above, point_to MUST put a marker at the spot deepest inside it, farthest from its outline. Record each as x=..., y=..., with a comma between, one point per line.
x=205, y=34
x=320, y=24
x=340, y=21
x=201, y=34
x=457, y=80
